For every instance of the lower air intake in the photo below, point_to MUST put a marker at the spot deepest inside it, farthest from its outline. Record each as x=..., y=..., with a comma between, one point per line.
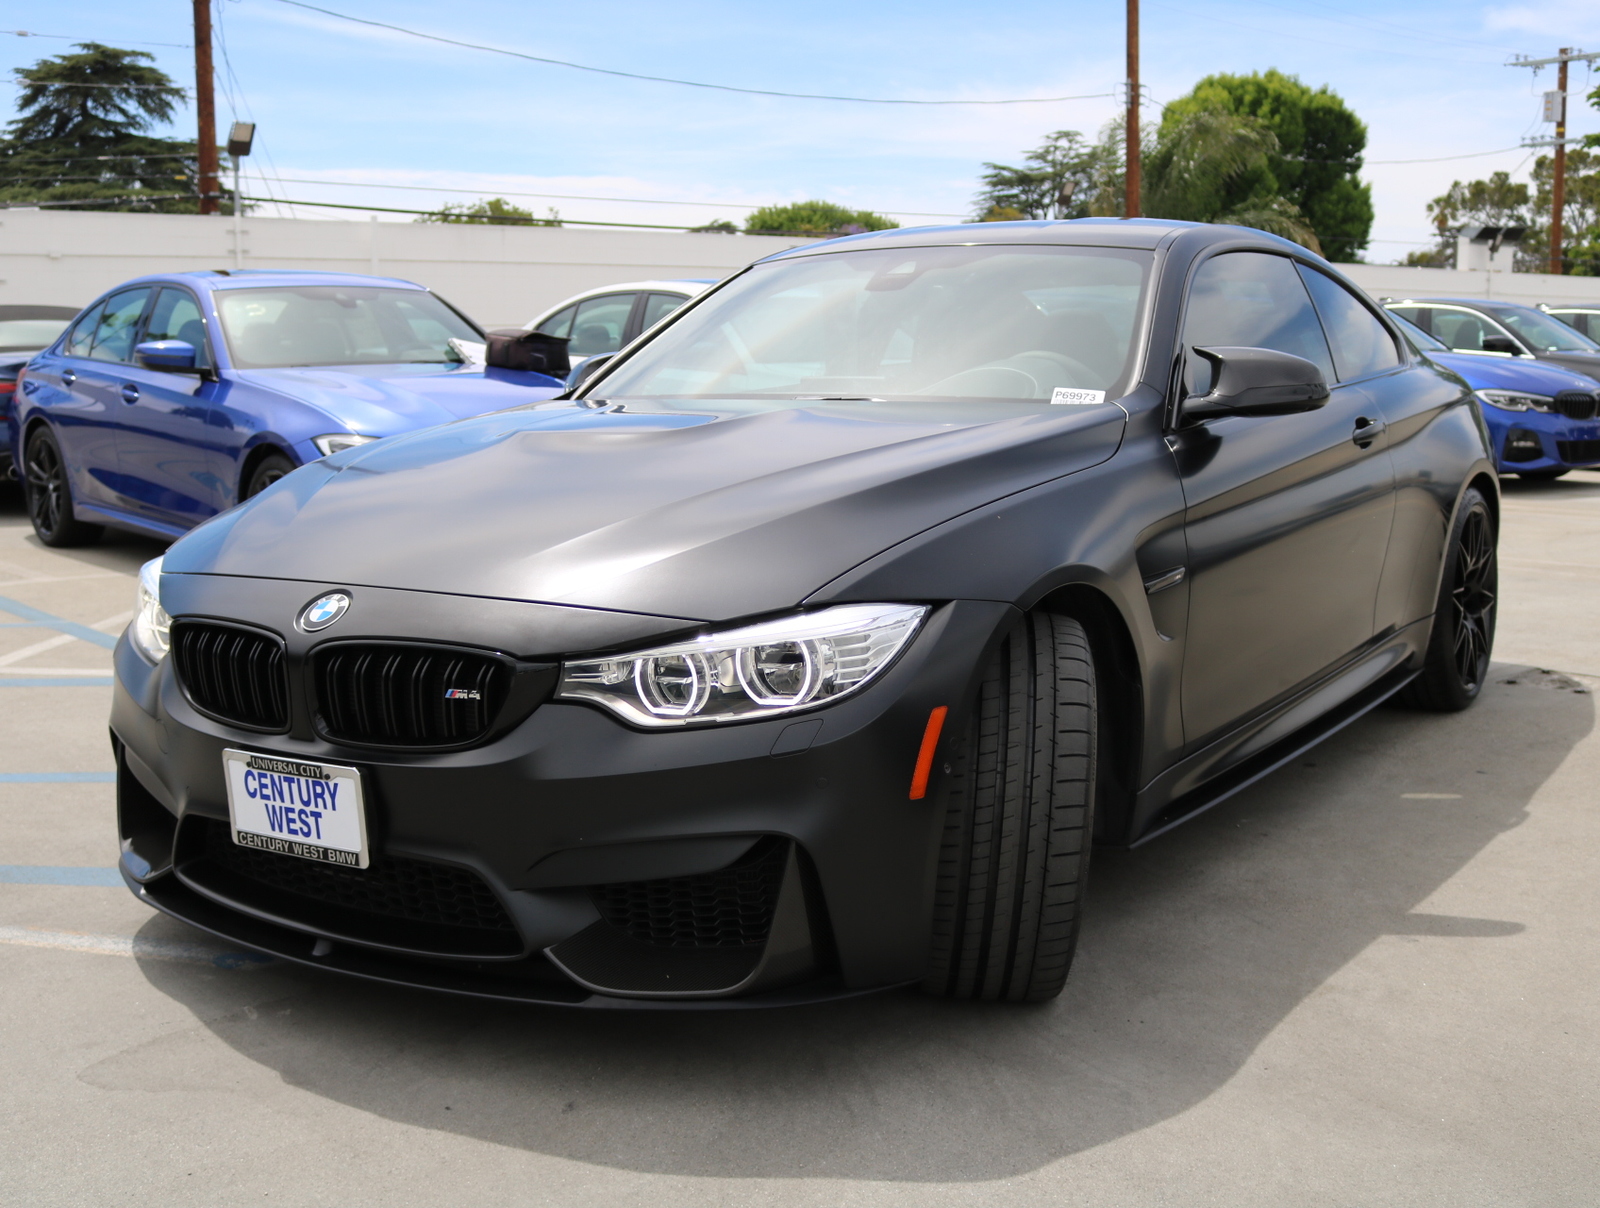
x=730, y=908
x=408, y=696
x=1578, y=452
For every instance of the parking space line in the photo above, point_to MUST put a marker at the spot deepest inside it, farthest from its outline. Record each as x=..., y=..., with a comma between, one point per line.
x=124, y=945
x=28, y=613
x=58, y=777
x=52, y=682
x=58, y=874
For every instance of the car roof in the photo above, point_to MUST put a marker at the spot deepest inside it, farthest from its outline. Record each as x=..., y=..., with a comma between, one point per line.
x=1473, y=303
x=260, y=278
x=688, y=286
x=1573, y=307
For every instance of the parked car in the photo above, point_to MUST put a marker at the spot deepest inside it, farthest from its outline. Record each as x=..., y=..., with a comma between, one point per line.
x=24, y=331
x=1541, y=417
x=1585, y=319
x=174, y=396
x=804, y=651
x=600, y=321
x=1501, y=329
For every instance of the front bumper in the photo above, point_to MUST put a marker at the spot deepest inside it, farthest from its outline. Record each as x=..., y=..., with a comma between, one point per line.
x=597, y=841
x=1533, y=441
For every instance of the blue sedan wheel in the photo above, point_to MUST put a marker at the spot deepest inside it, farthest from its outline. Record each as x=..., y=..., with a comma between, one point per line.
x=50, y=495
x=264, y=475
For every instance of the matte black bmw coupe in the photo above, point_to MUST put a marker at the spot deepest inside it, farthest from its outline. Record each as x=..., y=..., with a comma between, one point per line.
x=807, y=646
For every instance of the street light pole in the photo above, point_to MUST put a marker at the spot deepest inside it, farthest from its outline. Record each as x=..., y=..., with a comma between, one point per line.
x=1132, y=187
x=205, y=107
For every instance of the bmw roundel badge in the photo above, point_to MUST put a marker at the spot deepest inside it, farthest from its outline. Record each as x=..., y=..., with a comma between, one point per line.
x=323, y=611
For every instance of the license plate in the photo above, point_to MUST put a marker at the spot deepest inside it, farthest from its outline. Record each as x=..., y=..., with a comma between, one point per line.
x=296, y=808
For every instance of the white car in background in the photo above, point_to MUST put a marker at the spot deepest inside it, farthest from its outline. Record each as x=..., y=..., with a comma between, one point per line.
x=602, y=320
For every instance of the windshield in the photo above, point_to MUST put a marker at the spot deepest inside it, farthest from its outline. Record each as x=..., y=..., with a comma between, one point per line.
x=1420, y=340
x=1544, y=333
x=25, y=335
x=276, y=327
x=944, y=322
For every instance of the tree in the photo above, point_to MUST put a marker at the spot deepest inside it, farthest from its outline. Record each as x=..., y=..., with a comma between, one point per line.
x=720, y=227
x=492, y=211
x=82, y=137
x=1498, y=201
x=814, y=218
x=1058, y=180
x=1580, y=215
x=1314, y=165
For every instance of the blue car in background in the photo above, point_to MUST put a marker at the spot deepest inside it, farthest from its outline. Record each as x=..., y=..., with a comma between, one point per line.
x=173, y=397
x=1543, y=420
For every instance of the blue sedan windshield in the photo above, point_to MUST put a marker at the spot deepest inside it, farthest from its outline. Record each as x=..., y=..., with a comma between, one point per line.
x=281, y=326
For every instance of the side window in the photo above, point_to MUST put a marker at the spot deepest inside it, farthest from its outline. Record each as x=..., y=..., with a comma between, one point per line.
x=1412, y=314
x=658, y=307
x=599, y=323
x=1250, y=300
x=558, y=324
x=176, y=316
x=1361, y=345
x=82, y=336
x=119, y=323
x=1461, y=330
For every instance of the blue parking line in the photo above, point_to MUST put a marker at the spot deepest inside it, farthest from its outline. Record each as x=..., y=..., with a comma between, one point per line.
x=47, y=874
x=58, y=778
x=44, y=619
x=63, y=681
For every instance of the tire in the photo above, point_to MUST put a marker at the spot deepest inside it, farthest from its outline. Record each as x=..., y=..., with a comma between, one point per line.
x=48, y=491
x=1019, y=820
x=1541, y=475
x=267, y=471
x=1457, y=660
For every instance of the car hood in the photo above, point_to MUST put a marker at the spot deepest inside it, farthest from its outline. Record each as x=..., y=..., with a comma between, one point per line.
x=1586, y=363
x=381, y=400
x=723, y=511
x=1504, y=373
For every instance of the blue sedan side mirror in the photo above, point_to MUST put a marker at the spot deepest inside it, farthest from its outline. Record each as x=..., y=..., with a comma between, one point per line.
x=171, y=356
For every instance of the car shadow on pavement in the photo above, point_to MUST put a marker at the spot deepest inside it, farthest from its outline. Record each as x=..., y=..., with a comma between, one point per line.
x=115, y=551
x=1195, y=948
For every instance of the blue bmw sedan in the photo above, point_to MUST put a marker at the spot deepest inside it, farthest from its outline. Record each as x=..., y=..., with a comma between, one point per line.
x=175, y=396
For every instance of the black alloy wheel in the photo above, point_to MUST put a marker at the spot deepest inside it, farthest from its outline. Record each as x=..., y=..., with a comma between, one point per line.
x=49, y=495
x=268, y=470
x=1457, y=662
x=1019, y=819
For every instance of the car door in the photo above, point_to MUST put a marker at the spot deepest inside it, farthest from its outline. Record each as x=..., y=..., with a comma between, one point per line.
x=1287, y=516
x=169, y=444
x=1462, y=330
x=88, y=424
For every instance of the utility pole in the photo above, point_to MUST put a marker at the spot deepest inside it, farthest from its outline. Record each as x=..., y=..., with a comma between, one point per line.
x=1133, y=186
x=1556, y=111
x=205, y=107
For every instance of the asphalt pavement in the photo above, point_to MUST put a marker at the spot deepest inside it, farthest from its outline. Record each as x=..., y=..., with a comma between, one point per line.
x=1368, y=980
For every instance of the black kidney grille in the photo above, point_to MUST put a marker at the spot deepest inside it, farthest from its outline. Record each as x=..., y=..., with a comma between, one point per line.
x=730, y=908
x=408, y=695
x=233, y=674
x=1577, y=404
x=394, y=886
x=1578, y=452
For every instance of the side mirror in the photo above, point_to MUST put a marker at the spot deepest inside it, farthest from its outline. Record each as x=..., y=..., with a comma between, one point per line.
x=1257, y=381
x=528, y=351
x=587, y=370
x=1501, y=344
x=169, y=356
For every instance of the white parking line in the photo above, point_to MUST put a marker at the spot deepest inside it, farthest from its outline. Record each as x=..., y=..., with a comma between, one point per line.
x=16, y=656
x=125, y=945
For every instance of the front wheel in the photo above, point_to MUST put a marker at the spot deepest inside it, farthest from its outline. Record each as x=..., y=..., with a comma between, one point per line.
x=49, y=494
x=1019, y=817
x=1457, y=660
x=266, y=472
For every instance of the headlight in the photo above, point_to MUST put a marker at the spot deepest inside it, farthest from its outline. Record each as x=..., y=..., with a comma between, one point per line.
x=152, y=627
x=762, y=670
x=1517, y=400
x=338, y=442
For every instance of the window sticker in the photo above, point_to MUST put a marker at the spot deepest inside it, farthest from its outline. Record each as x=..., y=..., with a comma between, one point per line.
x=1080, y=398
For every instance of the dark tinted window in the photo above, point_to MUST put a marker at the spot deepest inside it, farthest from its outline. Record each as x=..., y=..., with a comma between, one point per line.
x=1361, y=345
x=176, y=316
x=558, y=324
x=119, y=323
x=82, y=336
x=658, y=307
x=599, y=324
x=1250, y=300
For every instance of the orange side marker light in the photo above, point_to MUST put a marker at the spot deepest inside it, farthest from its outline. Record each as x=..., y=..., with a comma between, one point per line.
x=930, y=741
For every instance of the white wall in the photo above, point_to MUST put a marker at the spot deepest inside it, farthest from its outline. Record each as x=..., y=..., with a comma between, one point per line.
x=501, y=276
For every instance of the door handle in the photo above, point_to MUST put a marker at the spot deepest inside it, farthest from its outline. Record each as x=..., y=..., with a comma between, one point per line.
x=68, y=377
x=130, y=392
x=1367, y=431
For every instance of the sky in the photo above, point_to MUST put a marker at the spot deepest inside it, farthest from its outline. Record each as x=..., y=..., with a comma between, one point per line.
x=358, y=114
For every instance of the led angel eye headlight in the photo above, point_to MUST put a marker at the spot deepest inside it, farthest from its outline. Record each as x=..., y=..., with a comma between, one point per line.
x=762, y=670
x=1517, y=400
x=152, y=627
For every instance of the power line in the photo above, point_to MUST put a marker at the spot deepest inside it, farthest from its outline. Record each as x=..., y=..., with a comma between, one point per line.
x=630, y=75
x=28, y=33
